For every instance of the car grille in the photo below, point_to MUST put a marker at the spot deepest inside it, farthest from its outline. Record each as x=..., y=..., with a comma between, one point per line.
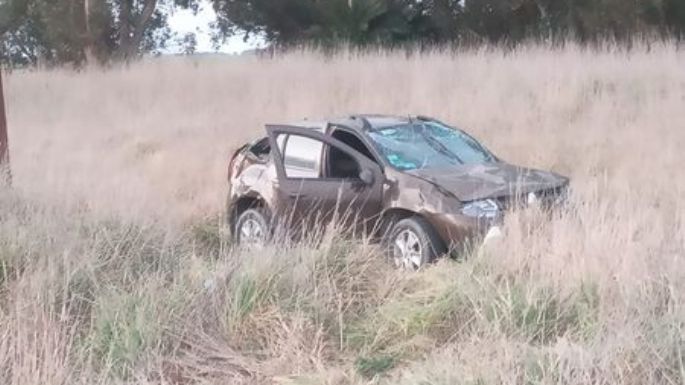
x=548, y=198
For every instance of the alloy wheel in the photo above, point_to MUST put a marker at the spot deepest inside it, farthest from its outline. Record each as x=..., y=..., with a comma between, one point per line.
x=407, y=250
x=252, y=233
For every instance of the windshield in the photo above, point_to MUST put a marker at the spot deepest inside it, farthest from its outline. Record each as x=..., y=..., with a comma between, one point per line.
x=427, y=144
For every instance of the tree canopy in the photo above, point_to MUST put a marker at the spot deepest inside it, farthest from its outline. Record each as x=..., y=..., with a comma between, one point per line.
x=79, y=31
x=76, y=31
x=392, y=21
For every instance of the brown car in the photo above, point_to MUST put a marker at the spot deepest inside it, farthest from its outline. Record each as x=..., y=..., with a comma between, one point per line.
x=423, y=186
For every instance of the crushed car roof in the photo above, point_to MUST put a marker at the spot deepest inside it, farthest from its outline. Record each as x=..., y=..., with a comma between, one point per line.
x=357, y=122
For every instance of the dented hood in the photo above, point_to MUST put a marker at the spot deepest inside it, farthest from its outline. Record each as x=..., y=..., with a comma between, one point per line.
x=490, y=180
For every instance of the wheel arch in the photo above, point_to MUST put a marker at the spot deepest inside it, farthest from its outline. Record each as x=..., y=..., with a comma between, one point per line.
x=398, y=213
x=430, y=236
x=244, y=203
x=393, y=215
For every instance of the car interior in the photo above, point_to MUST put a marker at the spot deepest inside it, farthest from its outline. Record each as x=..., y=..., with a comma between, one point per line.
x=342, y=165
x=338, y=164
x=261, y=148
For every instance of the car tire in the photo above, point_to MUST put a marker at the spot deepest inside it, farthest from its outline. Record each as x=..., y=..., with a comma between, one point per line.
x=253, y=228
x=412, y=243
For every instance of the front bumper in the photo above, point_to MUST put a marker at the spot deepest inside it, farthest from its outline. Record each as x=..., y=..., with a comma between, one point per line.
x=456, y=229
x=548, y=199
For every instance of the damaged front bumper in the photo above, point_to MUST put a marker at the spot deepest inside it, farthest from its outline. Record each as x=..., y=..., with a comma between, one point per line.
x=482, y=221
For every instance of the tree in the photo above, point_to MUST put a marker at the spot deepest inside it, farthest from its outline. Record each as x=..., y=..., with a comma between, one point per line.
x=188, y=43
x=674, y=17
x=358, y=22
x=80, y=31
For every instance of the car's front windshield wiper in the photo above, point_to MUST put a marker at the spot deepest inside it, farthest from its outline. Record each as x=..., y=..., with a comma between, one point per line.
x=439, y=147
x=478, y=148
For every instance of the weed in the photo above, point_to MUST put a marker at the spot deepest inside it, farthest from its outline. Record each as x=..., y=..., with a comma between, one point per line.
x=373, y=366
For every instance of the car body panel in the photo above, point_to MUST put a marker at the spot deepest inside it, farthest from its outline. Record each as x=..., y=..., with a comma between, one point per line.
x=310, y=202
x=490, y=180
x=252, y=178
x=441, y=208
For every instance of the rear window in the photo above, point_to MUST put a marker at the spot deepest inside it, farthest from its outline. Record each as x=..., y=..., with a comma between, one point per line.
x=261, y=148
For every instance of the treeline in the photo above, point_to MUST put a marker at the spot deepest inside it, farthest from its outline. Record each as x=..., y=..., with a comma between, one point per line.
x=80, y=31
x=362, y=22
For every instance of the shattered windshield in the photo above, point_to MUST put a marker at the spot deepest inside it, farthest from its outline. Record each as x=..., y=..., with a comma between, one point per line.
x=426, y=145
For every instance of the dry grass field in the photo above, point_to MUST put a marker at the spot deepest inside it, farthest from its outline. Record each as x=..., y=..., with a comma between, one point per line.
x=115, y=269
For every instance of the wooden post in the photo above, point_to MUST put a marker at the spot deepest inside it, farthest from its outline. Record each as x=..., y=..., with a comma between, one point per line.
x=5, y=171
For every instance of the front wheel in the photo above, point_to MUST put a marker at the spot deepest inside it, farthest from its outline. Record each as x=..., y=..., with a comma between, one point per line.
x=413, y=243
x=252, y=228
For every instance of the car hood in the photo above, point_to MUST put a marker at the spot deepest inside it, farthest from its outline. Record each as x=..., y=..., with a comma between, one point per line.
x=490, y=180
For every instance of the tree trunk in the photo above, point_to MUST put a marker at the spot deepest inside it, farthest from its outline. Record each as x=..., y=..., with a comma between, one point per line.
x=88, y=49
x=544, y=14
x=124, y=27
x=5, y=173
x=141, y=25
x=544, y=22
x=131, y=31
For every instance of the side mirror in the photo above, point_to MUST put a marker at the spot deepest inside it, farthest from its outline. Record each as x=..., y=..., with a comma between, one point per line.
x=366, y=176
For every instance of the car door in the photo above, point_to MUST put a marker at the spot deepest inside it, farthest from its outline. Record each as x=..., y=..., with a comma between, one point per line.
x=306, y=197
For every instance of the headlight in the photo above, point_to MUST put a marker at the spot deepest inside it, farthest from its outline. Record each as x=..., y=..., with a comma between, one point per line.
x=486, y=208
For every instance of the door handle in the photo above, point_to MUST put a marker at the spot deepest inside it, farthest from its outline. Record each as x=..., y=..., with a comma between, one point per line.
x=296, y=195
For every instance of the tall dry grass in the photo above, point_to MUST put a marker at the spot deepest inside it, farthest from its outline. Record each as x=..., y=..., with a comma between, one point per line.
x=114, y=267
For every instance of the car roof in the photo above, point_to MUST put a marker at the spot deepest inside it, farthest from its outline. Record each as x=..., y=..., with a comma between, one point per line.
x=359, y=122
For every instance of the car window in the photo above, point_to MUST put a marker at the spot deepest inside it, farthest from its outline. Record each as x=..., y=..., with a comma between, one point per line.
x=342, y=165
x=302, y=156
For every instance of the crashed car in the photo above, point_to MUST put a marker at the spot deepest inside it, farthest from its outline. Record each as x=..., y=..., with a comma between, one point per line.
x=424, y=187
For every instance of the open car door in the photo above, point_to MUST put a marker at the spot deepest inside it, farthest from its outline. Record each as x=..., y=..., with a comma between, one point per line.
x=308, y=196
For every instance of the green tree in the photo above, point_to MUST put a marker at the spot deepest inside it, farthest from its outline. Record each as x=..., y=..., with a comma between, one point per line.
x=673, y=14
x=80, y=31
x=358, y=22
x=188, y=43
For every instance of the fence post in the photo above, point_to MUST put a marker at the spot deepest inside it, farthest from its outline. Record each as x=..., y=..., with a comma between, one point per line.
x=5, y=171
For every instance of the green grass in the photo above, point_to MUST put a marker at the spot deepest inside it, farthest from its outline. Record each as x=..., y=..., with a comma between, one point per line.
x=542, y=315
x=210, y=237
x=373, y=366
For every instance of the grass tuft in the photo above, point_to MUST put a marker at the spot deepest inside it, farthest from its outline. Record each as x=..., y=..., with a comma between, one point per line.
x=374, y=366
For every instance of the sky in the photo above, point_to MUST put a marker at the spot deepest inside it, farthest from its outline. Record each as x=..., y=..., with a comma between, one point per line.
x=184, y=21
